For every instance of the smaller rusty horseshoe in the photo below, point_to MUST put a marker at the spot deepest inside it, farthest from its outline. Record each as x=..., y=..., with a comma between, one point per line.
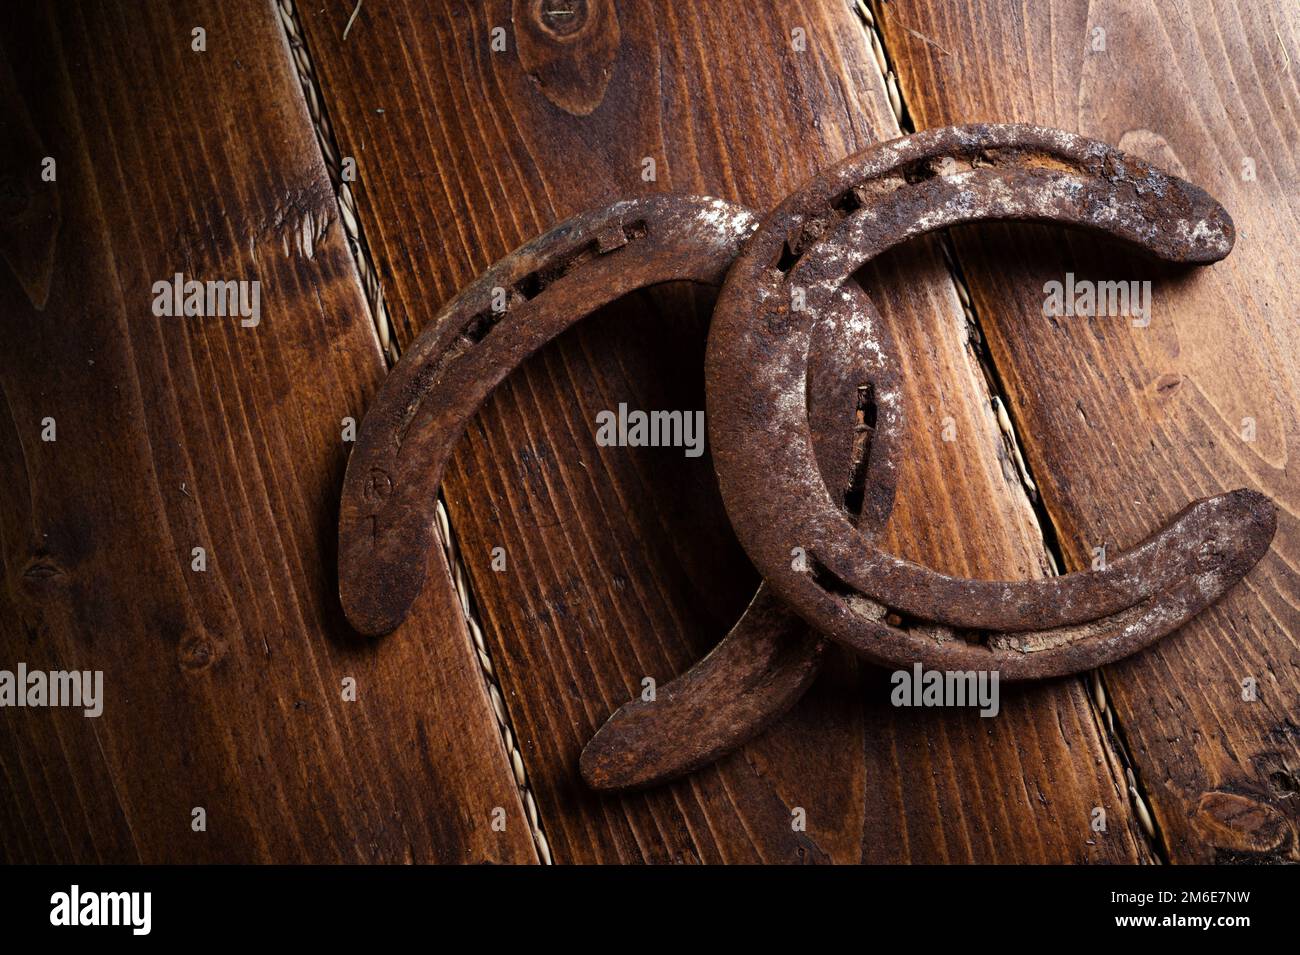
x=390, y=490
x=387, y=510
x=890, y=610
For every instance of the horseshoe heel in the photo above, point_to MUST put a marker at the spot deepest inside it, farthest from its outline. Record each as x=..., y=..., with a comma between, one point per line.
x=390, y=490
x=769, y=659
x=890, y=610
x=757, y=671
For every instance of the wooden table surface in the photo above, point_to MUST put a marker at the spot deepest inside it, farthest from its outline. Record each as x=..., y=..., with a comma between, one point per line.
x=473, y=127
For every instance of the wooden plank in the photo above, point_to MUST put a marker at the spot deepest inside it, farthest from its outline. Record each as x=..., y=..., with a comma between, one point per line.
x=223, y=689
x=620, y=564
x=1144, y=419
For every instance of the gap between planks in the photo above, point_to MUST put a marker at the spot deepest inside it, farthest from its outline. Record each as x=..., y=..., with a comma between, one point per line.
x=1093, y=681
x=384, y=329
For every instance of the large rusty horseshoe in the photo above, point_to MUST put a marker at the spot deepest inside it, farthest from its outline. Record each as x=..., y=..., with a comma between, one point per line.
x=890, y=610
x=389, y=494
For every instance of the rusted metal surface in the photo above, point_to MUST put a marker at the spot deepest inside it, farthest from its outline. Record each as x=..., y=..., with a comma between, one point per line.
x=386, y=514
x=794, y=270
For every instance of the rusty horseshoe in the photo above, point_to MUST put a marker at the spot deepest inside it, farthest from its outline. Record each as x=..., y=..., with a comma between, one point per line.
x=389, y=493
x=805, y=421
x=794, y=269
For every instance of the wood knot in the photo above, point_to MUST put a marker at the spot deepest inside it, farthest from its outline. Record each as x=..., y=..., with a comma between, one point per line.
x=43, y=576
x=16, y=197
x=562, y=18
x=568, y=47
x=1166, y=385
x=29, y=231
x=1239, y=823
x=197, y=652
x=1153, y=148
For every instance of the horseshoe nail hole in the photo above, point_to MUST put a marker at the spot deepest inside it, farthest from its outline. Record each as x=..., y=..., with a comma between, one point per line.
x=866, y=410
x=787, y=260
x=808, y=231
x=530, y=286
x=479, y=326
x=847, y=203
x=864, y=428
x=378, y=485
x=900, y=620
x=1038, y=160
x=535, y=283
x=921, y=170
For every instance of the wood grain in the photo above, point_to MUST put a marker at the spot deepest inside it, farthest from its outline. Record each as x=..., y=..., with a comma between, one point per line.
x=620, y=563
x=223, y=688
x=1123, y=424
